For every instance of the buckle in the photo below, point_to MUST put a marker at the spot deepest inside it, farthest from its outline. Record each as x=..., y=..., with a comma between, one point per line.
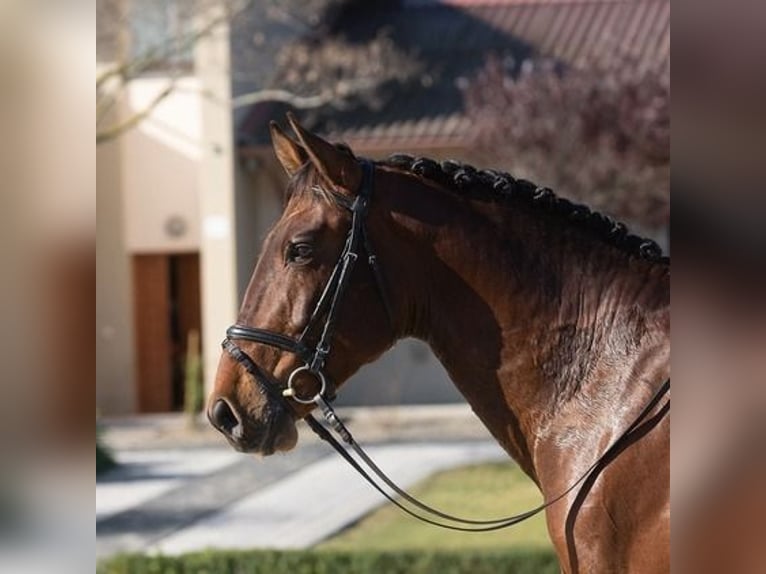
x=289, y=392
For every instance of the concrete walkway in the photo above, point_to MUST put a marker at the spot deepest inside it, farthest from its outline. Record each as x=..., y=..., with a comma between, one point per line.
x=188, y=494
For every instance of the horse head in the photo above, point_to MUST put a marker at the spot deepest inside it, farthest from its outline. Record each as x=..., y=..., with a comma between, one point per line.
x=307, y=295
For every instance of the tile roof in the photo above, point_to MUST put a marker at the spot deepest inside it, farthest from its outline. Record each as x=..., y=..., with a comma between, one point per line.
x=453, y=38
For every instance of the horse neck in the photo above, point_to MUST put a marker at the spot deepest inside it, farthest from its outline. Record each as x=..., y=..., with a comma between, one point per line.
x=527, y=318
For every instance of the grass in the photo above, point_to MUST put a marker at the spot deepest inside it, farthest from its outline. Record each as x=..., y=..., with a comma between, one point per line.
x=481, y=491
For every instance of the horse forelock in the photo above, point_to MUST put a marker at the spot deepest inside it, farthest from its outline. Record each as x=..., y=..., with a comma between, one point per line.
x=308, y=180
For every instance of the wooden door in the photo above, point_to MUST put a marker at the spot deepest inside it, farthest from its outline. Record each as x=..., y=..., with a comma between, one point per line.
x=167, y=307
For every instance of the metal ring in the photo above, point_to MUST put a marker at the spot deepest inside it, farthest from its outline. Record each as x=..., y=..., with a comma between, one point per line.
x=290, y=391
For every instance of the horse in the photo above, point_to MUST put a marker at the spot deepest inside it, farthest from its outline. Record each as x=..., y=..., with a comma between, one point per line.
x=553, y=322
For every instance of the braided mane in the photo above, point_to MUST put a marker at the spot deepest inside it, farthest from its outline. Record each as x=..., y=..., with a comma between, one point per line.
x=499, y=186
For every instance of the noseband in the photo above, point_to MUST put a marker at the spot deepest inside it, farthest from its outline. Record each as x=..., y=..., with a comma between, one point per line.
x=315, y=357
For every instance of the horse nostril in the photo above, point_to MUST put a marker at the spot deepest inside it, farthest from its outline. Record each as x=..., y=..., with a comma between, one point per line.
x=223, y=417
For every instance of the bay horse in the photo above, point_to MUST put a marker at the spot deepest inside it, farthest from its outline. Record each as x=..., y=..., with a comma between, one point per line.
x=552, y=321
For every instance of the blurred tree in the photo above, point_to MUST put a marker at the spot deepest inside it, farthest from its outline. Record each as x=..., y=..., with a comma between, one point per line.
x=137, y=38
x=598, y=132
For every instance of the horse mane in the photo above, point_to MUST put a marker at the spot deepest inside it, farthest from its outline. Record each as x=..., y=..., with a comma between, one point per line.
x=500, y=186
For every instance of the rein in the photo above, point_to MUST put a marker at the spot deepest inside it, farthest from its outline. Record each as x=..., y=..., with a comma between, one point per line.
x=314, y=358
x=469, y=525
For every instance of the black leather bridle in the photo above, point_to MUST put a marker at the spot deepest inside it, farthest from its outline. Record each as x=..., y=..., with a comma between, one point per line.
x=315, y=357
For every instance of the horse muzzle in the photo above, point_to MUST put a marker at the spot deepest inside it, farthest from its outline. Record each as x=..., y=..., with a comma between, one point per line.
x=277, y=433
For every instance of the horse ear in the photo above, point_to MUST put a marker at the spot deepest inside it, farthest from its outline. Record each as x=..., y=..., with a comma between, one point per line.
x=289, y=153
x=337, y=166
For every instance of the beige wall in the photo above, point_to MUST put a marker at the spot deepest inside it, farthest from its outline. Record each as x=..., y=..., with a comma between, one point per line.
x=160, y=167
x=115, y=390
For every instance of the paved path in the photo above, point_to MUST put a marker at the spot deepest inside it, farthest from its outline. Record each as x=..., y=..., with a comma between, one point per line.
x=179, y=500
x=146, y=475
x=178, y=489
x=153, y=494
x=319, y=500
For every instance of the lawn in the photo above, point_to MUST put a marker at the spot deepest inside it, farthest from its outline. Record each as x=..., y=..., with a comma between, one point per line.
x=482, y=492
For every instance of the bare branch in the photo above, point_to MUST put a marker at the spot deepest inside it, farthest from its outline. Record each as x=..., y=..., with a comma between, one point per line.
x=311, y=74
x=123, y=72
x=282, y=96
x=104, y=105
x=119, y=128
x=131, y=68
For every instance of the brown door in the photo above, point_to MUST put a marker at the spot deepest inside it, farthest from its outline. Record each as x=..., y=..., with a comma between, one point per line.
x=167, y=308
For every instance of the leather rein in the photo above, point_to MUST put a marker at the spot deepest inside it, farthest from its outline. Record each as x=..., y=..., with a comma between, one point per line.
x=315, y=356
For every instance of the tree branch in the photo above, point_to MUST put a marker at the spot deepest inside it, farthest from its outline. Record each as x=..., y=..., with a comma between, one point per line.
x=131, y=68
x=337, y=96
x=119, y=128
x=283, y=96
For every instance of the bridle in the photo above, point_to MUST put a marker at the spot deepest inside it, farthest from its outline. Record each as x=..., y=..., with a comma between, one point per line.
x=314, y=358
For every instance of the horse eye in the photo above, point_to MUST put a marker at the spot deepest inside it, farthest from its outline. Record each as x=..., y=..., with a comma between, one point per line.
x=299, y=252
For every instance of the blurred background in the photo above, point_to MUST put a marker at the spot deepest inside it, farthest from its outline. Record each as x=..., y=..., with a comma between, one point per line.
x=572, y=94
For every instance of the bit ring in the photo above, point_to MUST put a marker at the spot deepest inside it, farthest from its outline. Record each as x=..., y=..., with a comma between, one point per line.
x=290, y=391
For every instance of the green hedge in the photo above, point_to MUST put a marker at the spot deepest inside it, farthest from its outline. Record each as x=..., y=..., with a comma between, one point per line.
x=104, y=458
x=327, y=562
